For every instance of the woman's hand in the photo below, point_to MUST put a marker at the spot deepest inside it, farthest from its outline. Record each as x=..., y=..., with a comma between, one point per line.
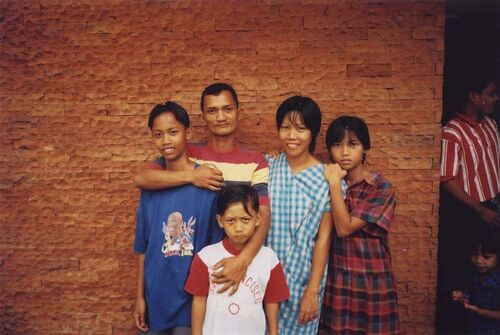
x=309, y=309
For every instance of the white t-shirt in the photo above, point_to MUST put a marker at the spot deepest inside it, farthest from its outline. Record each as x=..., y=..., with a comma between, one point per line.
x=242, y=313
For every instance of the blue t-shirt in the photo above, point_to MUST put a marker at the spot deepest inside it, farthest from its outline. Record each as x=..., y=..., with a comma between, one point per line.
x=172, y=226
x=484, y=293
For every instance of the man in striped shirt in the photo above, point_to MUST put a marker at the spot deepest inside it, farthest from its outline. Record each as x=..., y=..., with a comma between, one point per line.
x=470, y=167
x=223, y=161
x=470, y=183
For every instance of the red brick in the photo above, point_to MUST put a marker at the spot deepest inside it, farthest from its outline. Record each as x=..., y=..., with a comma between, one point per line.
x=392, y=35
x=367, y=46
x=371, y=70
x=296, y=9
x=414, y=69
x=395, y=55
x=314, y=22
x=428, y=33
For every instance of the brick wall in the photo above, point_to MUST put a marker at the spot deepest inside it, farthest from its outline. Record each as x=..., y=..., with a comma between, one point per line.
x=78, y=80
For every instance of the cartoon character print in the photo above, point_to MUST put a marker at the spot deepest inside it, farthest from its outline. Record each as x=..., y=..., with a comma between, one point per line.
x=178, y=236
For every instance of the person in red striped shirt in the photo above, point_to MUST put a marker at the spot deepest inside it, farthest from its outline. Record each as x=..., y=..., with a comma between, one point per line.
x=470, y=184
x=470, y=165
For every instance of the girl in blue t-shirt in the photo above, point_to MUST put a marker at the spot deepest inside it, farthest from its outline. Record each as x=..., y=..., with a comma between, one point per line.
x=481, y=297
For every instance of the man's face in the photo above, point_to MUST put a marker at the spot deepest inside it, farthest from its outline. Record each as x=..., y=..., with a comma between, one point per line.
x=220, y=113
x=487, y=99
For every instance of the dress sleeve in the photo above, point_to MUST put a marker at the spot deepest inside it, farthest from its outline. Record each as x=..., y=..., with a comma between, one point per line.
x=277, y=288
x=377, y=209
x=197, y=282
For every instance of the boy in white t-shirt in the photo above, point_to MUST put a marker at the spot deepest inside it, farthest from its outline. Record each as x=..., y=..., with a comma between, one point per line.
x=262, y=288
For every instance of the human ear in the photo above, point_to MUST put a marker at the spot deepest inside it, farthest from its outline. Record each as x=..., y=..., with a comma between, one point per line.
x=475, y=97
x=189, y=133
x=239, y=110
x=219, y=220
x=257, y=221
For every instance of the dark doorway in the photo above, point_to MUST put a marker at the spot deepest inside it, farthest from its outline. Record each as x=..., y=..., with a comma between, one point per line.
x=472, y=41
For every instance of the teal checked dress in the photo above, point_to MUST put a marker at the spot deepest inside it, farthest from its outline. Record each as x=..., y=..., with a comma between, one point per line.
x=298, y=203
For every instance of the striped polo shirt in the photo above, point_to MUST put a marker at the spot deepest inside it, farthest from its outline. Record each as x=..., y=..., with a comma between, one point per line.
x=470, y=154
x=240, y=166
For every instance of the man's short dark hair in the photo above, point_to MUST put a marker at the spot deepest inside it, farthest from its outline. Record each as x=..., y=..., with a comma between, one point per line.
x=216, y=89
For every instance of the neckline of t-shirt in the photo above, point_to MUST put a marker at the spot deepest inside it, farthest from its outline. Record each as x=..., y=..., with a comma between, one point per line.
x=230, y=247
x=217, y=153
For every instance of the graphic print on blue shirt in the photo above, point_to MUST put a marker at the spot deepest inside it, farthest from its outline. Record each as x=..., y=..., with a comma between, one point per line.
x=178, y=235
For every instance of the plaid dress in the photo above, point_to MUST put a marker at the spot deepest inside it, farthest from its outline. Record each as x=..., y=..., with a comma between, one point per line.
x=298, y=203
x=360, y=295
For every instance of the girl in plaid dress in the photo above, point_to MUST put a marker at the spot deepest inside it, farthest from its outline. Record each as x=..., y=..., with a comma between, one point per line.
x=360, y=295
x=300, y=215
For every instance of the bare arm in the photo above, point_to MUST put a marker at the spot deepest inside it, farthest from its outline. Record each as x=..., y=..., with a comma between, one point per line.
x=344, y=224
x=272, y=311
x=483, y=312
x=206, y=176
x=309, y=305
x=489, y=216
x=234, y=268
x=198, y=314
x=140, y=304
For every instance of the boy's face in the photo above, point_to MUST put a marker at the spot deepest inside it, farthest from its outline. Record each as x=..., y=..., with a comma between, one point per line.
x=484, y=262
x=220, y=113
x=169, y=136
x=238, y=224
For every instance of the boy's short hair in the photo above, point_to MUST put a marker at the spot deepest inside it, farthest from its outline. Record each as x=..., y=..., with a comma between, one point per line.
x=489, y=241
x=308, y=110
x=216, y=89
x=237, y=193
x=177, y=110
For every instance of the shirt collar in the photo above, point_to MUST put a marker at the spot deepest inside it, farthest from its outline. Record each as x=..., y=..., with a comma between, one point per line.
x=236, y=148
x=471, y=121
x=370, y=178
x=230, y=248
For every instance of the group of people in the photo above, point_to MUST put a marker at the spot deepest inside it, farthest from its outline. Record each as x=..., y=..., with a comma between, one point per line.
x=233, y=241
x=468, y=299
